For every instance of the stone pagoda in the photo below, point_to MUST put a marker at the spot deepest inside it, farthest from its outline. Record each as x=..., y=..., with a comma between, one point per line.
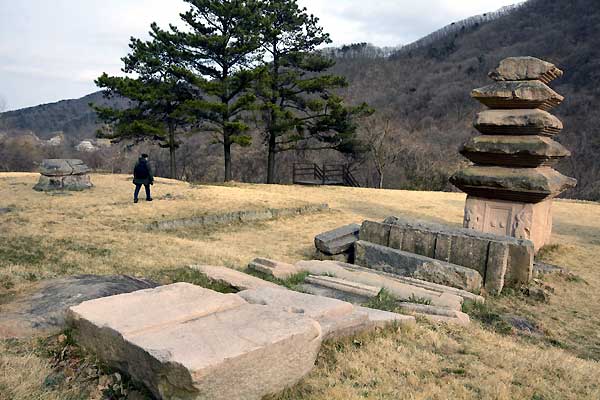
x=511, y=186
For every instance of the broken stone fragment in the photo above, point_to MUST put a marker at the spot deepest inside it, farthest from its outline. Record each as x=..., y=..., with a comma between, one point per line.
x=514, y=151
x=337, y=241
x=336, y=318
x=403, y=263
x=524, y=94
x=343, y=285
x=517, y=122
x=525, y=69
x=276, y=269
x=397, y=288
x=186, y=342
x=529, y=185
x=436, y=314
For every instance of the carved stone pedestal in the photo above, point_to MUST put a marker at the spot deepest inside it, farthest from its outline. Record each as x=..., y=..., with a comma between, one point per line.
x=532, y=221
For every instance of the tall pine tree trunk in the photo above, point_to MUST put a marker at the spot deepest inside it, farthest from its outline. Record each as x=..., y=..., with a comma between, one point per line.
x=271, y=158
x=227, y=155
x=273, y=117
x=172, y=147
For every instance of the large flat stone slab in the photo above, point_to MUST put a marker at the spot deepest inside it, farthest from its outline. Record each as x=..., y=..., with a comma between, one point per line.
x=529, y=185
x=42, y=308
x=403, y=263
x=517, y=122
x=186, y=342
x=514, y=151
x=518, y=94
x=398, y=289
x=63, y=167
x=337, y=241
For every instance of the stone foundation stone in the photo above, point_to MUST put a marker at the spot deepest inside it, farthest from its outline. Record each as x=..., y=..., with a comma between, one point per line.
x=531, y=221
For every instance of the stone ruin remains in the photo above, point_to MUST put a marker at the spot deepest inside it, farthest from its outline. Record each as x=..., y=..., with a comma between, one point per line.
x=183, y=341
x=63, y=174
x=512, y=183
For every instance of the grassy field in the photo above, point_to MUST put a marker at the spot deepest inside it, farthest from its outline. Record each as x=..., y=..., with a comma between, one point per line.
x=101, y=231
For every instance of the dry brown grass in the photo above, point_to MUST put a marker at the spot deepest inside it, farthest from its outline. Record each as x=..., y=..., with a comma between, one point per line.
x=101, y=231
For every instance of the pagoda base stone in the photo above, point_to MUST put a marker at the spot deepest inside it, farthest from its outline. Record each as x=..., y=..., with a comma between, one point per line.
x=532, y=221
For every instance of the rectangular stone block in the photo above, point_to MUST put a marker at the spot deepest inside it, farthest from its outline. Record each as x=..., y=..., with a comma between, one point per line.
x=375, y=233
x=396, y=237
x=185, y=342
x=337, y=241
x=496, y=270
x=520, y=220
x=419, y=242
x=466, y=246
x=402, y=263
x=469, y=252
x=443, y=247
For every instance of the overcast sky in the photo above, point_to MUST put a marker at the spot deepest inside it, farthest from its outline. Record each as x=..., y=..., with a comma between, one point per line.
x=53, y=50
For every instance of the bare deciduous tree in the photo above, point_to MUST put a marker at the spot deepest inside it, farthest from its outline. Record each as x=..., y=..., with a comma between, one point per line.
x=382, y=141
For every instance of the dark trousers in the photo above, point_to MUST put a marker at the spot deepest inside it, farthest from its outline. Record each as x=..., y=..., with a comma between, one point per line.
x=138, y=186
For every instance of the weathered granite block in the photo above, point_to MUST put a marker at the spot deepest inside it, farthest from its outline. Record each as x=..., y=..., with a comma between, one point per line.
x=518, y=94
x=517, y=122
x=186, y=342
x=413, y=265
x=62, y=174
x=520, y=258
x=524, y=69
x=514, y=151
x=529, y=185
x=337, y=241
x=494, y=277
x=375, y=233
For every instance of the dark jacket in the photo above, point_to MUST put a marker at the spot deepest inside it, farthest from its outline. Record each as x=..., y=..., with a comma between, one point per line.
x=142, y=173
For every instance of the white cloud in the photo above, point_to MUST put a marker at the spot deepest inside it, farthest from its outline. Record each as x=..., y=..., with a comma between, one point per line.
x=51, y=50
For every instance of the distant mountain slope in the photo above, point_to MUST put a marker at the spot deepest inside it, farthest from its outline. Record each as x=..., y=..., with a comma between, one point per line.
x=425, y=88
x=74, y=117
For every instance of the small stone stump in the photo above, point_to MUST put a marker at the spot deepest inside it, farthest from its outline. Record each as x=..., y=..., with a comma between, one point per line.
x=63, y=174
x=512, y=183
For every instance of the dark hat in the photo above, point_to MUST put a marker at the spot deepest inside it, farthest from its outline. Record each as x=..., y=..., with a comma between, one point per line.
x=144, y=155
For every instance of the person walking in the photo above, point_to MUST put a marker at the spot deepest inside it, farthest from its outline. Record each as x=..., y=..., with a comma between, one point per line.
x=142, y=175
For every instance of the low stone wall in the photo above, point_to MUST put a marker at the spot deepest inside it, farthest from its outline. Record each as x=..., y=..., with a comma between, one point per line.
x=237, y=217
x=501, y=260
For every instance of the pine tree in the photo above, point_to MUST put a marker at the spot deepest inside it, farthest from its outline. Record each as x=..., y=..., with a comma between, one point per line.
x=158, y=96
x=220, y=50
x=298, y=103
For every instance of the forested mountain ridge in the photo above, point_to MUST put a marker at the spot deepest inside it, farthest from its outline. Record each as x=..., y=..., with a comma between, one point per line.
x=424, y=92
